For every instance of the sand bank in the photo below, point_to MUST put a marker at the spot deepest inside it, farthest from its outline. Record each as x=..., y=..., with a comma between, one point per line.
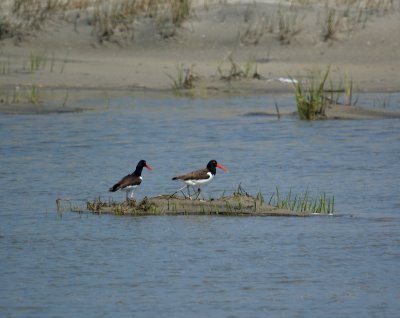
x=148, y=61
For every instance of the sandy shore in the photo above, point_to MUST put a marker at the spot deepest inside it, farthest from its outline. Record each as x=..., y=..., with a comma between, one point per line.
x=76, y=59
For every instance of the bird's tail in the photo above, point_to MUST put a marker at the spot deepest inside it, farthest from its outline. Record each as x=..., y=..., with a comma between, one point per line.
x=174, y=178
x=114, y=188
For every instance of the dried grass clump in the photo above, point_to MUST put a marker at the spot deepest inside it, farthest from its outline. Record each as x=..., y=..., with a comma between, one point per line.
x=111, y=20
x=32, y=13
x=288, y=25
x=236, y=72
x=19, y=17
x=29, y=94
x=343, y=16
x=283, y=24
x=113, y=23
x=6, y=29
x=185, y=77
x=120, y=208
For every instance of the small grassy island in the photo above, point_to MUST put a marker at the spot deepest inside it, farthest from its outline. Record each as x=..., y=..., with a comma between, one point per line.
x=237, y=204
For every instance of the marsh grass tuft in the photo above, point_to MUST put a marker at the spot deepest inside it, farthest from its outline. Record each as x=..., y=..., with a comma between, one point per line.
x=349, y=91
x=95, y=205
x=64, y=62
x=5, y=66
x=34, y=96
x=310, y=96
x=381, y=103
x=37, y=61
x=330, y=24
x=29, y=94
x=180, y=11
x=185, y=77
x=240, y=191
x=341, y=91
x=305, y=203
x=260, y=198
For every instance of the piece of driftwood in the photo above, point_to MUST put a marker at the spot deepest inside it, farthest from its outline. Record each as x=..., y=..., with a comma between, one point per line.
x=234, y=205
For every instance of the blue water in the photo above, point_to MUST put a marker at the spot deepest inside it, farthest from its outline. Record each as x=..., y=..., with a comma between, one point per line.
x=195, y=266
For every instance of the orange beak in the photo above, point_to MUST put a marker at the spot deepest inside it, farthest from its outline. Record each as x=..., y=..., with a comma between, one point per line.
x=222, y=167
x=148, y=167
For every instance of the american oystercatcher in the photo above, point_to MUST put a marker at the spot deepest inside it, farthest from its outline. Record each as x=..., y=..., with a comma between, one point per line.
x=131, y=181
x=200, y=177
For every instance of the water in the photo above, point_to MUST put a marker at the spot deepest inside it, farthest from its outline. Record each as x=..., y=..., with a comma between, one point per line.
x=186, y=266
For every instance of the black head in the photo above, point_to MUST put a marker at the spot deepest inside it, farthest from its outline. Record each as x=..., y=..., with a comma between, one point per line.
x=139, y=167
x=213, y=164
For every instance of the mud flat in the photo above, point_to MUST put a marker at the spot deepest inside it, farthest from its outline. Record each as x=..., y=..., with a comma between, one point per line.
x=234, y=205
x=335, y=111
x=357, y=112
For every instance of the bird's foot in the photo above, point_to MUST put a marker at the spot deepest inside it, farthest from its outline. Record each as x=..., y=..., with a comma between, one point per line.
x=173, y=194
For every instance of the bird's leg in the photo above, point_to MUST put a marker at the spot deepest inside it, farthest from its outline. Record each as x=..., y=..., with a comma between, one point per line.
x=131, y=198
x=180, y=191
x=183, y=193
x=198, y=193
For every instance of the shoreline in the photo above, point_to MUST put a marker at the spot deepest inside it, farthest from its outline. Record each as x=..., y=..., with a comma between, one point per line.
x=63, y=100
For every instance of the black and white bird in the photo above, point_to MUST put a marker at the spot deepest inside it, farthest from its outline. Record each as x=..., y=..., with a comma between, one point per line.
x=131, y=181
x=199, y=178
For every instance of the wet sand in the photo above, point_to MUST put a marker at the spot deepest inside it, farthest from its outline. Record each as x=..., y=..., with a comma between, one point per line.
x=335, y=111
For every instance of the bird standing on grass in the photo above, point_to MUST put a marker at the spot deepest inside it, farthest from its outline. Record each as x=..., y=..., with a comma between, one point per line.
x=199, y=178
x=131, y=181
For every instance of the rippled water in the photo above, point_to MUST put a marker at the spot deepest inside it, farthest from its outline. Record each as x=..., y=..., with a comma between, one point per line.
x=186, y=266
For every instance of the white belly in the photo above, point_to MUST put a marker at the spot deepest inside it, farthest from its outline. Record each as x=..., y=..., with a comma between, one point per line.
x=199, y=183
x=129, y=188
